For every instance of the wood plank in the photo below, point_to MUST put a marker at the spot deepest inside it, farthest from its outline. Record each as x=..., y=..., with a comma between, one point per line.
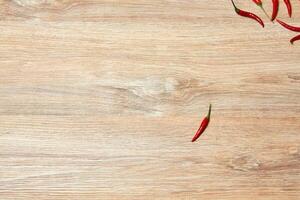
x=99, y=99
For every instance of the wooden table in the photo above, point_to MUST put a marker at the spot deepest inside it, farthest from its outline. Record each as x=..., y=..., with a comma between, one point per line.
x=99, y=99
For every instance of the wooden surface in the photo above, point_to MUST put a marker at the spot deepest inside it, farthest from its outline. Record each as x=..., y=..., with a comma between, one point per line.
x=99, y=99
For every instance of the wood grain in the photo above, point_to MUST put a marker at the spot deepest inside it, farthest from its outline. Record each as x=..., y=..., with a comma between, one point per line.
x=99, y=99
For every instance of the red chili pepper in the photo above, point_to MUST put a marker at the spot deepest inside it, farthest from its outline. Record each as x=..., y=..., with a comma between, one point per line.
x=288, y=6
x=289, y=27
x=275, y=9
x=248, y=14
x=203, y=125
x=295, y=39
x=260, y=4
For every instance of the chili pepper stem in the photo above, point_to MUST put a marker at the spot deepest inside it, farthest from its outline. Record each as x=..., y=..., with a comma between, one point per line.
x=209, y=111
x=263, y=9
x=235, y=8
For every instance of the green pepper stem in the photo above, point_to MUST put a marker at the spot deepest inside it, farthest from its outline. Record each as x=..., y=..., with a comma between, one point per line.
x=263, y=9
x=236, y=9
x=209, y=111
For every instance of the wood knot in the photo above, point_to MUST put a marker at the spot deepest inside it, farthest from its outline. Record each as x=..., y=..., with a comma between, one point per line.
x=294, y=77
x=293, y=150
x=244, y=163
x=39, y=3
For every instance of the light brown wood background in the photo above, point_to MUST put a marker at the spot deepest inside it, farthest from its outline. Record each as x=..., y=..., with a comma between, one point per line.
x=99, y=99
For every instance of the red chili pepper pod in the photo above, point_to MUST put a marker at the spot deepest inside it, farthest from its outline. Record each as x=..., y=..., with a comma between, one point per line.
x=275, y=9
x=294, y=39
x=248, y=14
x=287, y=26
x=203, y=125
x=258, y=2
x=288, y=6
